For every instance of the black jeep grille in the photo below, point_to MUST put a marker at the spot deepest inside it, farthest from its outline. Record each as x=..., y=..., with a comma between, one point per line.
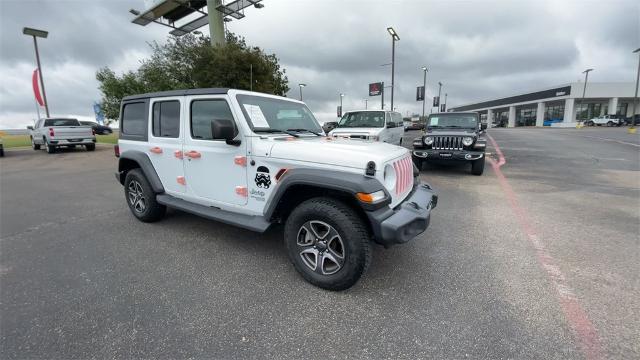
x=447, y=142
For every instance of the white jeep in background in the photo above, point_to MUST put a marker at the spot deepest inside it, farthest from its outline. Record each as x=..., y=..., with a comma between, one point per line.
x=372, y=125
x=253, y=160
x=608, y=120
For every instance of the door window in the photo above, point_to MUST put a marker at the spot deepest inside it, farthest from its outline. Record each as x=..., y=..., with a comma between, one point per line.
x=133, y=119
x=203, y=112
x=166, y=119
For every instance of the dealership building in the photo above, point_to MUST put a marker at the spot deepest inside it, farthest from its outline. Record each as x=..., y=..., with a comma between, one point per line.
x=560, y=105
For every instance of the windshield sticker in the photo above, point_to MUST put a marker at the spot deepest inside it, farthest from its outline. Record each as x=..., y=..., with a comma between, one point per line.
x=434, y=121
x=256, y=116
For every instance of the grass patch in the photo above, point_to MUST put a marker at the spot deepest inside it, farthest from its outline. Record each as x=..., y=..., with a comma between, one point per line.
x=11, y=141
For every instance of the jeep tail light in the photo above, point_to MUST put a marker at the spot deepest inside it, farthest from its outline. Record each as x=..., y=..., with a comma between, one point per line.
x=51, y=132
x=116, y=150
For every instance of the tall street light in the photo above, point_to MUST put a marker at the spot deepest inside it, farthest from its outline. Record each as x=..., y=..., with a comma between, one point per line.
x=635, y=97
x=424, y=88
x=366, y=104
x=301, y=86
x=584, y=89
x=43, y=34
x=445, y=101
x=394, y=38
x=341, y=96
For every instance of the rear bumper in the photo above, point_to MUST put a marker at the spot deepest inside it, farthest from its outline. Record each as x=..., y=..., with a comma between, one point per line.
x=430, y=154
x=405, y=221
x=67, y=142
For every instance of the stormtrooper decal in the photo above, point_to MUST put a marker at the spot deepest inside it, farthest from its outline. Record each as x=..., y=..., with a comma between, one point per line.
x=263, y=179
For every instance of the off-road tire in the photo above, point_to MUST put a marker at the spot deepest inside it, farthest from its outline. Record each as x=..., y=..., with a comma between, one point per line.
x=50, y=148
x=477, y=166
x=153, y=211
x=353, y=234
x=34, y=145
x=90, y=147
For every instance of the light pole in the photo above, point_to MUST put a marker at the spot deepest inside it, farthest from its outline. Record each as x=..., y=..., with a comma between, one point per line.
x=366, y=104
x=394, y=38
x=43, y=34
x=632, y=129
x=301, y=86
x=439, y=92
x=341, y=96
x=424, y=88
x=584, y=89
x=445, y=101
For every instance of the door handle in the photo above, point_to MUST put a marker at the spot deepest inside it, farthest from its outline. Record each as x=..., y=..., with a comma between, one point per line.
x=156, y=150
x=193, y=154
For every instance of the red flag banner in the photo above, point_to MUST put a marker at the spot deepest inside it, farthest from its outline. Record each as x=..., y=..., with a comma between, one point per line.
x=36, y=87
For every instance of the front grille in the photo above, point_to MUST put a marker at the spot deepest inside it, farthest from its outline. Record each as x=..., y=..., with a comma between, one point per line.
x=447, y=143
x=404, y=175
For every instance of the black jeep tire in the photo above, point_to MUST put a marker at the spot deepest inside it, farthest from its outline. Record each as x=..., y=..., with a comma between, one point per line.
x=141, y=198
x=50, y=148
x=34, y=145
x=477, y=166
x=90, y=147
x=329, y=229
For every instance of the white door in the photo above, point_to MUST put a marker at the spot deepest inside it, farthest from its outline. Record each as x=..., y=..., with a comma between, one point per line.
x=215, y=171
x=165, y=142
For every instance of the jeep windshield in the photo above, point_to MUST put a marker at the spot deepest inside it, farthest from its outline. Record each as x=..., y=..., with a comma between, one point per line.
x=362, y=119
x=469, y=121
x=278, y=116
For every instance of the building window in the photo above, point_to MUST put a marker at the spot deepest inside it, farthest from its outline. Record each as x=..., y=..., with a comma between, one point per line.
x=587, y=111
x=554, y=112
x=622, y=109
x=526, y=117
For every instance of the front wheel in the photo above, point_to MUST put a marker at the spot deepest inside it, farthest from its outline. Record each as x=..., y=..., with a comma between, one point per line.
x=328, y=243
x=477, y=166
x=141, y=198
x=34, y=145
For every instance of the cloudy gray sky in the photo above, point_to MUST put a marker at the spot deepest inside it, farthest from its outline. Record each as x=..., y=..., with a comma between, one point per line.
x=478, y=49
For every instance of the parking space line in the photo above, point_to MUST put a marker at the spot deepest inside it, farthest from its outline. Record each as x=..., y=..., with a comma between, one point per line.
x=611, y=140
x=575, y=315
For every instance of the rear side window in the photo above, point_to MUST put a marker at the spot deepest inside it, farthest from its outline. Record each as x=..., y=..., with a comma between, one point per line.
x=166, y=119
x=133, y=119
x=203, y=112
x=61, y=122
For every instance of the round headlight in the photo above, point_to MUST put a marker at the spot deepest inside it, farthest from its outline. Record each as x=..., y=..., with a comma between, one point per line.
x=428, y=140
x=389, y=177
x=467, y=140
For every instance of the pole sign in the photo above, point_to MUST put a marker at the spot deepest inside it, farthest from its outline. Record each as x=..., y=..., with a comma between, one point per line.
x=375, y=89
x=436, y=101
x=339, y=111
x=420, y=93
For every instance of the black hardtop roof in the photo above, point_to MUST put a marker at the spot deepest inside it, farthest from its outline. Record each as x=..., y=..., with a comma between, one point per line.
x=204, y=91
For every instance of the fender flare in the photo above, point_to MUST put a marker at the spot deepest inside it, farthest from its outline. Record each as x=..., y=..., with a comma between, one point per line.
x=146, y=166
x=327, y=179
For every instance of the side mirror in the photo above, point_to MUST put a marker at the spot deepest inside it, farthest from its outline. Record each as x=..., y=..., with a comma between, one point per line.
x=30, y=127
x=224, y=129
x=483, y=126
x=391, y=125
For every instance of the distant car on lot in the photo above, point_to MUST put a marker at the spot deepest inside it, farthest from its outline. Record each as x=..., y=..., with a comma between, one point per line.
x=452, y=136
x=328, y=126
x=97, y=128
x=608, y=120
x=57, y=132
x=373, y=125
x=1, y=148
x=548, y=122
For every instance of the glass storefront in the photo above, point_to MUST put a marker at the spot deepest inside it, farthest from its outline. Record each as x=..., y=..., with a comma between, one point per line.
x=622, y=109
x=588, y=111
x=554, y=112
x=526, y=117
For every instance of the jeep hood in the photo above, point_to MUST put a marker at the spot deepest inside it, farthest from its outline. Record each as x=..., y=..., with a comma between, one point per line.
x=355, y=131
x=451, y=132
x=336, y=151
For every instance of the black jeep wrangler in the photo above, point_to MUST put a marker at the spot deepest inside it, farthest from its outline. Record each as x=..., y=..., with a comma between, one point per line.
x=452, y=136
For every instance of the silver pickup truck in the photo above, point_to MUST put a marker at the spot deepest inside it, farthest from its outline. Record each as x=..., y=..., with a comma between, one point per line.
x=57, y=132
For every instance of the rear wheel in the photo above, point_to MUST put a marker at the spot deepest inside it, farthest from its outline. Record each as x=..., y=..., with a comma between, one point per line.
x=327, y=243
x=609, y=123
x=590, y=123
x=90, y=147
x=477, y=166
x=141, y=198
x=48, y=147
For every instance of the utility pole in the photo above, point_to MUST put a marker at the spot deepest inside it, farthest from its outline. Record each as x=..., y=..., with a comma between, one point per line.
x=445, y=101
x=439, y=92
x=424, y=86
x=584, y=90
x=216, y=23
x=366, y=105
x=43, y=34
x=632, y=129
x=301, y=86
x=394, y=38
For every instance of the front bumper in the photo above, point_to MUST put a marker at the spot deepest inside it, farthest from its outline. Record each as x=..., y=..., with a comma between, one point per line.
x=407, y=220
x=430, y=154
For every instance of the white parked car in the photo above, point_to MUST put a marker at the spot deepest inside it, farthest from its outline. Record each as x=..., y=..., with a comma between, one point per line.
x=608, y=120
x=252, y=160
x=373, y=125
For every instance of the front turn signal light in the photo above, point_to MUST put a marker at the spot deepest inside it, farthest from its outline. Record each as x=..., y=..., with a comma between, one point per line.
x=370, y=198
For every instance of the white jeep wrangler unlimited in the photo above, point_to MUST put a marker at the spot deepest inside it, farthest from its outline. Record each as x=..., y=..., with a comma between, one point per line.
x=253, y=160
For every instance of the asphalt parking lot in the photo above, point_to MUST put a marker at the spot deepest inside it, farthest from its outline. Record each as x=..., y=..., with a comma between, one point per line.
x=538, y=258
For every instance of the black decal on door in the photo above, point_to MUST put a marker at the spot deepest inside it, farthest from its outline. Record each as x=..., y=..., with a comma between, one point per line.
x=263, y=179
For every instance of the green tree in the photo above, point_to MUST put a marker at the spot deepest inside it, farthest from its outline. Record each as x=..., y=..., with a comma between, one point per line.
x=189, y=62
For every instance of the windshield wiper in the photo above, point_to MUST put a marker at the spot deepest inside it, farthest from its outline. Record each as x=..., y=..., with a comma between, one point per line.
x=271, y=131
x=307, y=130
